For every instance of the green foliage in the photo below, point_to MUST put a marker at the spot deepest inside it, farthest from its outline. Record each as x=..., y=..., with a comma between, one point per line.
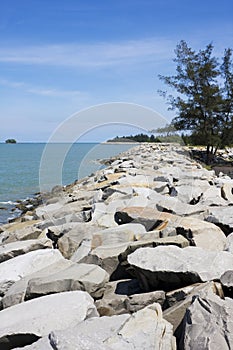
x=10, y=141
x=136, y=138
x=204, y=99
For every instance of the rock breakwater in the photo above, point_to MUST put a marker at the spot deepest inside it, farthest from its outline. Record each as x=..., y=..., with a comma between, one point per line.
x=137, y=256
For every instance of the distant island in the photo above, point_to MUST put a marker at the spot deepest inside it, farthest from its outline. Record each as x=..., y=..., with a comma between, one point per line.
x=10, y=141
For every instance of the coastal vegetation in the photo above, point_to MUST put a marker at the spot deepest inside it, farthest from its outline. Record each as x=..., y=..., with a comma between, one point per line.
x=161, y=136
x=203, y=97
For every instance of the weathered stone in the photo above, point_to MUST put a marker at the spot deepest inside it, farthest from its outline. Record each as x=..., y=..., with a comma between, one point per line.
x=82, y=251
x=190, y=191
x=137, y=302
x=87, y=277
x=70, y=241
x=170, y=267
x=106, y=257
x=213, y=197
x=23, y=265
x=207, y=324
x=227, y=282
x=20, y=231
x=17, y=291
x=229, y=243
x=200, y=233
x=184, y=297
x=178, y=241
x=24, y=323
x=227, y=191
x=223, y=217
x=11, y=250
x=145, y=329
x=117, y=235
x=89, y=334
x=115, y=297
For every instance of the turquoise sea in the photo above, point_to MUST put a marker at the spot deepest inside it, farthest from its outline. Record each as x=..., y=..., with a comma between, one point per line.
x=20, y=168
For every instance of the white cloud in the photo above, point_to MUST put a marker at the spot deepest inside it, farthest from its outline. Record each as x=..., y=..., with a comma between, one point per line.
x=50, y=92
x=87, y=55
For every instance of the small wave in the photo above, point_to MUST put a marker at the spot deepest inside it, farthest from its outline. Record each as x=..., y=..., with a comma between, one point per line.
x=9, y=203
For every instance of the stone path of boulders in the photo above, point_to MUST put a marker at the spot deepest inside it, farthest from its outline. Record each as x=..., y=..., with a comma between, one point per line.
x=138, y=256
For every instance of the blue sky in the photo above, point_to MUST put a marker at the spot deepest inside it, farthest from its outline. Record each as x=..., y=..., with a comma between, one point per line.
x=59, y=57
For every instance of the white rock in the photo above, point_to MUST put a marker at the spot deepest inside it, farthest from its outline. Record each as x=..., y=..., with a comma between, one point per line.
x=40, y=316
x=23, y=265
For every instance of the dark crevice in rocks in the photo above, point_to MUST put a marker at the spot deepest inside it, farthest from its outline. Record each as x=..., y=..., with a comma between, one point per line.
x=228, y=292
x=120, y=273
x=54, y=238
x=128, y=287
x=12, y=341
x=164, y=210
x=196, y=200
x=227, y=230
x=123, y=218
x=186, y=234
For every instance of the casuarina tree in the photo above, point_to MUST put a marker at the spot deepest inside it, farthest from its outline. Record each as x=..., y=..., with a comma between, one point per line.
x=203, y=97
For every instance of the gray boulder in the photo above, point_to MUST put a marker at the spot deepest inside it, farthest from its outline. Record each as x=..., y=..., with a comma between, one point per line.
x=170, y=267
x=23, y=265
x=20, y=231
x=11, y=250
x=71, y=240
x=25, y=323
x=179, y=300
x=146, y=329
x=227, y=283
x=117, y=235
x=227, y=189
x=222, y=217
x=16, y=293
x=87, y=277
x=199, y=232
x=207, y=324
x=136, y=302
x=106, y=257
x=90, y=334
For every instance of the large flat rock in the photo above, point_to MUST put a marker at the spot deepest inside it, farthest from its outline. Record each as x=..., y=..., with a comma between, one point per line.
x=87, y=277
x=89, y=334
x=222, y=217
x=20, y=231
x=117, y=235
x=17, y=292
x=37, y=318
x=201, y=233
x=11, y=250
x=23, y=265
x=145, y=329
x=170, y=267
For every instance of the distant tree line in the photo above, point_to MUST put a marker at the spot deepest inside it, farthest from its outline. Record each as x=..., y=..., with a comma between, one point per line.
x=136, y=138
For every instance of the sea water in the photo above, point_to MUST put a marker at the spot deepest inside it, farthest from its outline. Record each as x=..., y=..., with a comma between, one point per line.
x=20, y=168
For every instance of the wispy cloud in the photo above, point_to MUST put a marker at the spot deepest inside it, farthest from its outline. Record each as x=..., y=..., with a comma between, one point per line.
x=50, y=92
x=87, y=55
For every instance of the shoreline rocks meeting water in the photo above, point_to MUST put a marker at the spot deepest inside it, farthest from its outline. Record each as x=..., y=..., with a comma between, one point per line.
x=137, y=256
